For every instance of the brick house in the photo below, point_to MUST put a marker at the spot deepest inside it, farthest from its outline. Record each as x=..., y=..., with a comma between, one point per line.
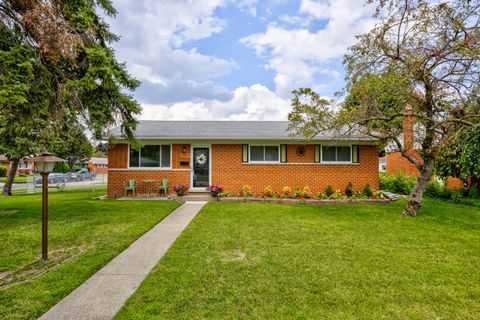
x=97, y=165
x=236, y=153
x=398, y=164
x=25, y=165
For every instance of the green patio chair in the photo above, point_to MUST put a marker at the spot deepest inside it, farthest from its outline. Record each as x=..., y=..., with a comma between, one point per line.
x=131, y=187
x=163, y=187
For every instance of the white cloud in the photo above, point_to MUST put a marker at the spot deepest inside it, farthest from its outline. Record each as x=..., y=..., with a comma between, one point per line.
x=249, y=6
x=153, y=33
x=297, y=55
x=248, y=103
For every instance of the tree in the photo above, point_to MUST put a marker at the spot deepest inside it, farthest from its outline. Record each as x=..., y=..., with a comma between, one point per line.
x=25, y=97
x=460, y=158
x=72, y=144
x=67, y=42
x=421, y=63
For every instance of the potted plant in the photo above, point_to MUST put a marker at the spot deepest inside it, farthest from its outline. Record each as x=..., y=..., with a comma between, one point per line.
x=214, y=190
x=180, y=189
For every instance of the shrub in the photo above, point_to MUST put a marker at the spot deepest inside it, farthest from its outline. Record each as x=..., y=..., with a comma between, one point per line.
x=246, y=190
x=287, y=191
x=307, y=194
x=329, y=191
x=455, y=196
x=473, y=192
x=349, y=190
x=268, y=192
x=336, y=195
x=75, y=167
x=367, y=191
x=61, y=167
x=222, y=195
x=298, y=192
x=3, y=171
x=434, y=189
x=322, y=196
x=399, y=183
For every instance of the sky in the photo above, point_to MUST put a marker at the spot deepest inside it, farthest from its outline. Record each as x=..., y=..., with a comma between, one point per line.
x=234, y=60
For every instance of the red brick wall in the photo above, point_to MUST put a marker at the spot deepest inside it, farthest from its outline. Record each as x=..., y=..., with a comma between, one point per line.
x=229, y=172
x=118, y=180
x=396, y=163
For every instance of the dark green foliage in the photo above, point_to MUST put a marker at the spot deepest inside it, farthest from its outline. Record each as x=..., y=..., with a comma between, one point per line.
x=57, y=71
x=473, y=192
x=460, y=158
x=434, y=190
x=400, y=183
x=3, y=171
x=349, y=190
x=61, y=167
x=367, y=191
x=329, y=191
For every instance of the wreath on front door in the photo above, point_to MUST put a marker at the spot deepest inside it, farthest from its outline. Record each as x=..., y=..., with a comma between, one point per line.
x=201, y=159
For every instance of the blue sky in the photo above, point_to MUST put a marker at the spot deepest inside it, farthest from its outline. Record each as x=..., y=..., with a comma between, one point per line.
x=236, y=60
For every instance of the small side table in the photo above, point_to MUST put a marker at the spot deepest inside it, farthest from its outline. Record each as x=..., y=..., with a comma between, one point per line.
x=148, y=184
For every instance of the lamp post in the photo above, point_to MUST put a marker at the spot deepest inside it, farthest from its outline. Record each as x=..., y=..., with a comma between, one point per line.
x=45, y=162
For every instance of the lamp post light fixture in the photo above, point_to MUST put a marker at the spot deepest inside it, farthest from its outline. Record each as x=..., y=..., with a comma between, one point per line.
x=45, y=162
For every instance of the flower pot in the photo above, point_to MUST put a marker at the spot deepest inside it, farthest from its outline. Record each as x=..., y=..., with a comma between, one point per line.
x=180, y=193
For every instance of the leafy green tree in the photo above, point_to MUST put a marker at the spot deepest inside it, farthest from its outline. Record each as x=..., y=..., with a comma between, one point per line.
x=72, y=144
x=461, y=158
x=56, y=65
x=421, y=63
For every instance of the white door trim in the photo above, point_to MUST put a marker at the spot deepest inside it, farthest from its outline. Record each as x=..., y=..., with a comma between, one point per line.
x=209, y=146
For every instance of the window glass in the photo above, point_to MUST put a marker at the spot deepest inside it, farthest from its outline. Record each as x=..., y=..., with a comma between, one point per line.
x=256, y=153
x=134, y=158
x=328, y=154
x=343, y=153
x=166, y=156
x=271, y=153
x=150, y=156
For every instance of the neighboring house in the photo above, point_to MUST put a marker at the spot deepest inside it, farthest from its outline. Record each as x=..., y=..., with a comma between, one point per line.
x=398, y=164
x=25, y=165
x=4, y=162
x=98, y=165
x=382, y=164
x=236, y=153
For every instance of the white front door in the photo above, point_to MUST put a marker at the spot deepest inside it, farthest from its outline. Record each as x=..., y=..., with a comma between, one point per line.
x=200, y=168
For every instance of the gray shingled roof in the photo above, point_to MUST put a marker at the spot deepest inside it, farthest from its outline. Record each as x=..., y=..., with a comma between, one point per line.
x=224, y=130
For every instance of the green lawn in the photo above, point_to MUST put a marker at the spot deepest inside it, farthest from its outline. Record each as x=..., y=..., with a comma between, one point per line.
x=246, y=260
x=84, y=235
x=17, y=179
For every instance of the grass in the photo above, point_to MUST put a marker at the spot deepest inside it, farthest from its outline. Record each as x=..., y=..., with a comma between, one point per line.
x=17, y=179
x=246, y=260
x=84, y=234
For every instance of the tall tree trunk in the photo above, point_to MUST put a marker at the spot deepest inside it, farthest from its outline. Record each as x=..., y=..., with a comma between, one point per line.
x=7, y=188
x=415, y=199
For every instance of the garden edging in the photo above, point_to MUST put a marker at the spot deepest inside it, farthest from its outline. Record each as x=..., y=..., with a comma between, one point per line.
x=300, y=201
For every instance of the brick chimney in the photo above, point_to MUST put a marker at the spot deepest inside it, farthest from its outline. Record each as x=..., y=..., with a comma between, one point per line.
x=408, y=123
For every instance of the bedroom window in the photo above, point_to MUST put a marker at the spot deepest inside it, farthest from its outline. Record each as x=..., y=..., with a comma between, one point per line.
x=336, y=154
x=150, y=156
x=264, y=153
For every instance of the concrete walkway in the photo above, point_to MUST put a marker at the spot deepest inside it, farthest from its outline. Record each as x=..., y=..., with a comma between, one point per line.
x=102, y=296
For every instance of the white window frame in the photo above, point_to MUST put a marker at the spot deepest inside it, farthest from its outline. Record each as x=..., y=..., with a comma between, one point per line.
x=335, y=162
x=151, y=168
x=263, y=145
